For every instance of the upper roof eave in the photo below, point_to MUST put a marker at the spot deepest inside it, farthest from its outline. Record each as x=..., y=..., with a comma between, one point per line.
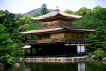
x=53, y=15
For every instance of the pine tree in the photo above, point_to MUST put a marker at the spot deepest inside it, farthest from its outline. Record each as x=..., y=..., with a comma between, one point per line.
x=44, y=9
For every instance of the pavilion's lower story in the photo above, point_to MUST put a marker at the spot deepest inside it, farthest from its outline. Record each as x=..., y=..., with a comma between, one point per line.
x=54, y=50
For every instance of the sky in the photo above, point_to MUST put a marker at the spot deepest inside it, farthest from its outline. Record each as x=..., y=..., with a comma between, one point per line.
x=23, y=6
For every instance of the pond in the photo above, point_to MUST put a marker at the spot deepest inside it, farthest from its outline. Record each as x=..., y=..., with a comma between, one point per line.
x=92, y=66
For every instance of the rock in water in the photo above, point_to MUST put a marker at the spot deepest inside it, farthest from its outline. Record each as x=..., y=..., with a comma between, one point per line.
x=17, y=65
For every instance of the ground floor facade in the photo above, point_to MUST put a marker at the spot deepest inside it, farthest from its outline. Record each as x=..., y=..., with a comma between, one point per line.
x=54, y=50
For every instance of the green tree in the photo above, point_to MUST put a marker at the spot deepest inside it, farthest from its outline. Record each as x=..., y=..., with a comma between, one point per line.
x=83, y=11
x=7, y=46
x=68, y=11
x=44, y=9
x=9, y=40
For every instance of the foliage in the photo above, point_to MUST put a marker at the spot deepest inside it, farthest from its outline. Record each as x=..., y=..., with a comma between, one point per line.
x=83, y=11
x=68, y=11
x=9, y=35
x=44, y=9
x=97, y=54
x=7, y=59
x=27, y=23
x=11, y=40
x=6, y=43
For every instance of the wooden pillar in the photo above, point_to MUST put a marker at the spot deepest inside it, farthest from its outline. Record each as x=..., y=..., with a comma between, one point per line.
x=25, y=53
x=31, y=52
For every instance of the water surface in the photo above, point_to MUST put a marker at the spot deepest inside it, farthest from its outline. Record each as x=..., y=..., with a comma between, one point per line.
x=92, y=66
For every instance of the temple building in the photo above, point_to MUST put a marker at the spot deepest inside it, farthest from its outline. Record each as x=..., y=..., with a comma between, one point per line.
x=57, y=37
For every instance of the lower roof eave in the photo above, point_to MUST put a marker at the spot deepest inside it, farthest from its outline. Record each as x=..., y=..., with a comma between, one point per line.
x=42, y=31
x=55, y=30
x=84, y=30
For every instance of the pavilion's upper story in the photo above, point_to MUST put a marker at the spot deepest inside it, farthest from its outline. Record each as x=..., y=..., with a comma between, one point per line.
x=58, y=26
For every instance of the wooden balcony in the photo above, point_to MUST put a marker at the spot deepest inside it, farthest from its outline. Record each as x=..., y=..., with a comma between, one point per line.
x=70, y=41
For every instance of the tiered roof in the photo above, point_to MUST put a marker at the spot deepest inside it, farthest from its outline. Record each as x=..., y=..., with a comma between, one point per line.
x=58, y=27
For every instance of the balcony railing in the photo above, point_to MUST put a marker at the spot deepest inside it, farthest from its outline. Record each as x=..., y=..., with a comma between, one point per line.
x=71, y=41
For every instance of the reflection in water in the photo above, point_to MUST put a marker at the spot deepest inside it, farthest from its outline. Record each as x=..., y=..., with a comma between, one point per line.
x=58, y=67
x=81, y=66
x=1, y=66
x=27, y=69
x=98, y=66
x=53, y=67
